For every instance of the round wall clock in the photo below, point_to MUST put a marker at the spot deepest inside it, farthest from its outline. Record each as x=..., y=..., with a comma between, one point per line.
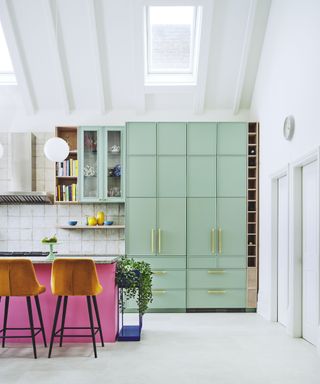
x=288, y=127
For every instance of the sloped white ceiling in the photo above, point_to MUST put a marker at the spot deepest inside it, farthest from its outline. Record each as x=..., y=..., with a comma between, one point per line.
x=81, y=55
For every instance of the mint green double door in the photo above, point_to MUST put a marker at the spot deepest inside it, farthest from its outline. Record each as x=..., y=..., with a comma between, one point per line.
x=216, y=215
x=156, y=207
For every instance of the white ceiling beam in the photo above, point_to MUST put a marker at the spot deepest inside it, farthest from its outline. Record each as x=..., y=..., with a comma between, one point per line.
x=205, y=40
x=245, y=55
x=60, y=65
x=18, y=56
x=140, y=97
x=100, y=62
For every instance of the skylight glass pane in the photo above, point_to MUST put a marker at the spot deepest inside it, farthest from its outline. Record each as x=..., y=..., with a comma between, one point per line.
x=6, y=69
x=170, y=39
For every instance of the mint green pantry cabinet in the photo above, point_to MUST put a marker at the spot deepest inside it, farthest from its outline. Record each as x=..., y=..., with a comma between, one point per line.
x=156, y=207
x=216, y=215
x=101, y=164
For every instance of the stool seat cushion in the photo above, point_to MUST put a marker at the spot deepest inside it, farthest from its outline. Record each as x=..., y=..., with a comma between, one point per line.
x=75, y=277
x=18, y=278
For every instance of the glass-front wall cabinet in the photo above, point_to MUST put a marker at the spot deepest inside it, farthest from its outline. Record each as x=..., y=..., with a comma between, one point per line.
x=101, y=166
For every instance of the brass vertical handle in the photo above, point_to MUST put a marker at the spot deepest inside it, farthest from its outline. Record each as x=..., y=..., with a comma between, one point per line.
x=152, y=240
x=159, y=240
x=220, y=241
x=212, y=241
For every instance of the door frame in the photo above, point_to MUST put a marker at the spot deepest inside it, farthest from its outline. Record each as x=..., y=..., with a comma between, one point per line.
x=295, y=244
x=275, y=177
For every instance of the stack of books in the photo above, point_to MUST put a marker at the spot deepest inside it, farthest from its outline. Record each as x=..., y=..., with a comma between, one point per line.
x=67, y=168
x=67, y=192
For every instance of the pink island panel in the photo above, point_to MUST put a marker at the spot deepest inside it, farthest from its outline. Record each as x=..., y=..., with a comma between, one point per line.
x=77, y=312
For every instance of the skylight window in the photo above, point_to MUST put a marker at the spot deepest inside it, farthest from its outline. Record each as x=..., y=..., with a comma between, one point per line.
x=172, y=44
x=7, y=76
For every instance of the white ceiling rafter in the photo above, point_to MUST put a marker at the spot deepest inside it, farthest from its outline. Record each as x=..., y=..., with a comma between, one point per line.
x=100, y=64
x=245, y=55
x=139, y=56
x=53, y=28
x=18, y=57
x=205, y=40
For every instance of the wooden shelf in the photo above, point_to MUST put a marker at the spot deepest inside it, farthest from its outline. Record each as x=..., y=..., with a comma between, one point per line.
x=91, y=226
x=66, y=177
x=66, y=202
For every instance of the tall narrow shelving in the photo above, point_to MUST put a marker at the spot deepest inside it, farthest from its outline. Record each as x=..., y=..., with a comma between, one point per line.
x=66, y=173
x=253, y=215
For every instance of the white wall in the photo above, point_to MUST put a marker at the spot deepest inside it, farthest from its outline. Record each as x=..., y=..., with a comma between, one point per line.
x=288, y=82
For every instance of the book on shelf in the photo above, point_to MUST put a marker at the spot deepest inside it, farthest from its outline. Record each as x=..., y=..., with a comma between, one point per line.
x=66, y=192
x=67, y=168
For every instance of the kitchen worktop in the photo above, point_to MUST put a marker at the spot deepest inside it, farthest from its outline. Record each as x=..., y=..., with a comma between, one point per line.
x=97, y=259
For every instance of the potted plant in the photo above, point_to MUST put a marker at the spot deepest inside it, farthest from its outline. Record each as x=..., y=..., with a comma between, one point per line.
x=135, y=278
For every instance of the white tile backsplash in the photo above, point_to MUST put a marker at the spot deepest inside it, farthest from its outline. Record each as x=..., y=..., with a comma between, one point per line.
x=23, y=226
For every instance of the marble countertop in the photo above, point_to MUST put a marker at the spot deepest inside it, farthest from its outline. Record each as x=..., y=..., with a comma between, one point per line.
x=97, y=259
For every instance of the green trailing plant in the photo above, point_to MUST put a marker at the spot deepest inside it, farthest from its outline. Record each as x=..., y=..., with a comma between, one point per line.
x=136, y=277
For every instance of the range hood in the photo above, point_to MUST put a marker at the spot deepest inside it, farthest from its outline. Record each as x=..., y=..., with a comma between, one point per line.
x=22, y=170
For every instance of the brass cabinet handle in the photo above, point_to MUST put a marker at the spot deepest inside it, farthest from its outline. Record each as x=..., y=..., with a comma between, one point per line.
x=220, y=241
x=160, y=273
x=159, y=292
x=216, y=272
x=152, y=240
x=159, y=240
x=212, y=241
x=216, y=292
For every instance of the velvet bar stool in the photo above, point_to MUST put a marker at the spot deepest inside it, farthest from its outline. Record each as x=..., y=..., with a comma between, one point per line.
x=18, y=278
x=75, y=277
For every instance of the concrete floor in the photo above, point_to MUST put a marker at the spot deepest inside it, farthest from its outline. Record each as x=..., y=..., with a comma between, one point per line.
x=176, y=348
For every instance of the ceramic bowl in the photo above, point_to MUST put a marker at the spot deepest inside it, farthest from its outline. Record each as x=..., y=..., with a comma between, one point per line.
x=72, y=222
x=108, y=222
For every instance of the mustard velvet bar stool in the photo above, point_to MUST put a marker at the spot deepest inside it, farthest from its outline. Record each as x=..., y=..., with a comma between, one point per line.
x=75, y=277
x=18, y=278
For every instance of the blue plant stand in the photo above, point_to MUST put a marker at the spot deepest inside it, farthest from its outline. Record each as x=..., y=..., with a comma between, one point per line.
x=127, y=332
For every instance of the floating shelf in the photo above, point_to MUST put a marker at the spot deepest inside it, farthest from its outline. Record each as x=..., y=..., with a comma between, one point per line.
x=91, y=226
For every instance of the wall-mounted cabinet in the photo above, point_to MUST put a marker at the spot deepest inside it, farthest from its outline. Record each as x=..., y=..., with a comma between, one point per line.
x=101, y=164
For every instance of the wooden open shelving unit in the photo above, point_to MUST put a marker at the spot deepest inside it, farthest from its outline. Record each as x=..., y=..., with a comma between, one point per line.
x=69, y=134
x=253, y=215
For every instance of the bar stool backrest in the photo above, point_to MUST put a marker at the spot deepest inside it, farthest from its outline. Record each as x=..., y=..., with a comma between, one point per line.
x=18, y=278
x=74, y=277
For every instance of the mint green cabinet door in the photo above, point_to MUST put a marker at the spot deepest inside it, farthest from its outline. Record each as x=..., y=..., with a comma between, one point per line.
x=231, y=221
x=231, y=176
x=141, y=138
x=140, y=222
x=232, y=139
x=91, y=172
x=171, y=138
x=141, y=176
x=171, y=226
x=201, y=176
x=201, y=138
x=171, y=176
x=201, y=237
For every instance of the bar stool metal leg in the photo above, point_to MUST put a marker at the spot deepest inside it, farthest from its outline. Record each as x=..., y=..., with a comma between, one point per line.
x=95, y=304
x=5, y=319
x=56, y=315
x=31, y=326
x=36, y=298
x=92, y=326
x=64, y=311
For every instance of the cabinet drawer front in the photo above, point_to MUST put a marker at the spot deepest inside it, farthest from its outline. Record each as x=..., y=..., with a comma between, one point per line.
x=217, y=278
x=164, y=299
x=141, y=138
x=231, y=262
x=174, y=298
x=202, y=262
x=232, y=138
x=165, y=262
x=166, y=279
x=141, y=177
x=204, y=298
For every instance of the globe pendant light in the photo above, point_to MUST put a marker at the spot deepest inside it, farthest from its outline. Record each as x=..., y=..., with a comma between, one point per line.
x=56, y=149
x=1, y=151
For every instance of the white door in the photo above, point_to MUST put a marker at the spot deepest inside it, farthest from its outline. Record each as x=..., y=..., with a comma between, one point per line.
x=283, y=255
x=310, y=295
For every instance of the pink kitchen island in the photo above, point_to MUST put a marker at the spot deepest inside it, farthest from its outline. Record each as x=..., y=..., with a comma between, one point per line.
x=77, y=312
